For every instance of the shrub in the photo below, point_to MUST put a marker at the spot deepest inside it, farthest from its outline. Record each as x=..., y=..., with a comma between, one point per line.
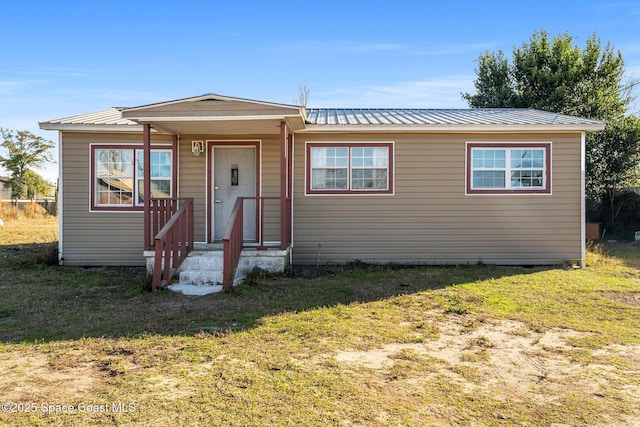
x=33, y=209
x=8, y=211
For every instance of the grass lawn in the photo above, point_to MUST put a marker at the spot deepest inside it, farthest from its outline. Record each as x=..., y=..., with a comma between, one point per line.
x=348, y=346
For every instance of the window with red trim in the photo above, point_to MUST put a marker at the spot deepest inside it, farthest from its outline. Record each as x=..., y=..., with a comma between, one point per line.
x=350, y=168
x=118, y=177
x=508, y=168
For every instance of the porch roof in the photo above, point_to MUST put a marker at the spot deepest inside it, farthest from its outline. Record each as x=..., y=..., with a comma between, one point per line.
x=108, y=120
x=211, y=113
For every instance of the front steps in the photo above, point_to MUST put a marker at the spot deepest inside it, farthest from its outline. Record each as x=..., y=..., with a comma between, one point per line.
x=201, y=272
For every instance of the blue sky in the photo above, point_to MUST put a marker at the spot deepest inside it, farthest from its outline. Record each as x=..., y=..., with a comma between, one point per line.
x=61, y=58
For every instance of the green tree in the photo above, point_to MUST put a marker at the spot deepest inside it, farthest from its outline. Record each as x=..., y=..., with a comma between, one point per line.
x=613, y=162
x=35, y=185
x=556, y=75
x=25, y=151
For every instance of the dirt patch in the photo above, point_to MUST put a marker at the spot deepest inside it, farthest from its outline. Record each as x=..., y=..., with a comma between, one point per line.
x=509, y=361
x=628, y=298
x=40, y=378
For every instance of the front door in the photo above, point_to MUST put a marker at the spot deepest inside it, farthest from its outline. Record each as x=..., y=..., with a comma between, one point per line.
x=234, y=175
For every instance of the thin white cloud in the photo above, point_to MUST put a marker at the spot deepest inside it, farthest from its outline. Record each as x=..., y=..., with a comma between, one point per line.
x=321, y=47
x=626, y=8
x=341, y=46
x=56, y=73
x=476, y=48
x=124, y=97
x=442, y=92
x=9, y=87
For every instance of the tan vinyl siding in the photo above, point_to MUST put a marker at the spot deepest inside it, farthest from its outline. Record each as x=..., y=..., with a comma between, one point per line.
x=96, y=238
x=193, y=178
x=192, y=182
x=117, y=238
x=430, y=220
x=271, y=187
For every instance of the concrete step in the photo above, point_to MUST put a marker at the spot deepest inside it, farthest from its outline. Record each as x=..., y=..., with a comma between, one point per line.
x=201, y=272
x=195, y=289
x=200, y=277
x=203, y=260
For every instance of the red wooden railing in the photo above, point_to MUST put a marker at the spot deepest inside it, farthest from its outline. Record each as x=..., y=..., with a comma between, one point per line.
x=232, y=244
x=233, y=240
x=172, y=226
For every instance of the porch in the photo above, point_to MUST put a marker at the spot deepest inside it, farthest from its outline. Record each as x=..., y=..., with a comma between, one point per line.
x=202, y=268
x=228, y=204
x=202, y=271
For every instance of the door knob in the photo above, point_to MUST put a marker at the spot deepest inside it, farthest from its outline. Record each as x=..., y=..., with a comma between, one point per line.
x=218, y=201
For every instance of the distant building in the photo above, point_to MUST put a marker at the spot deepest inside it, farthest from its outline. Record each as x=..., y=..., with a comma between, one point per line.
x=5, y=188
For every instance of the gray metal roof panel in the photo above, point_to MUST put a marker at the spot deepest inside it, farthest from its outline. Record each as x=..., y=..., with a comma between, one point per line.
x=374, y=117
x=425, y=117
x=111, y=116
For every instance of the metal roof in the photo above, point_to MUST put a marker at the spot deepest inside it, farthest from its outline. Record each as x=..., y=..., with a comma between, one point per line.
x=106, y=118
x=436, y=117
x=336, y=119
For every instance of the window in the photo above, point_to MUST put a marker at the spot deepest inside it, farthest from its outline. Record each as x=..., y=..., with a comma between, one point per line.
x=352, y=168
x=508, y=168
x=160, y=174
x=118, y=176
x=114, y=177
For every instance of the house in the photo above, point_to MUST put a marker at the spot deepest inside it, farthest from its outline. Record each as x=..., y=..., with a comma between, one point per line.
x=5, y=188
x=321, y=185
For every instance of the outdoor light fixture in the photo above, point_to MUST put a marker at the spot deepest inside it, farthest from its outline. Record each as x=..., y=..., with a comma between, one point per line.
x=196, y=147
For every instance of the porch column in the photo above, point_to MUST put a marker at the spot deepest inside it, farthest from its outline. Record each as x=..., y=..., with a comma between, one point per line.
x=283, y=185
x=146, y=143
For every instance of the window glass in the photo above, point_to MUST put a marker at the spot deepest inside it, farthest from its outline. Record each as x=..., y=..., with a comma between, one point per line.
x=160, y=174
x=353, y=167
x=114, y=177
x=329, y=179
x=489, y=159
x=114, y=180
x=488, y=179
x=372, y=179
x=329, y=157
x=510, y=168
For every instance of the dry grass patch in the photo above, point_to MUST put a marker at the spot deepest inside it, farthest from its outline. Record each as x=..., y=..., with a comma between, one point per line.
x=344, y=346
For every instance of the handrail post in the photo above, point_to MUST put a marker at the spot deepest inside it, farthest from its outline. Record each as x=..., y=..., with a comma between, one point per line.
x=171, y=245
x=232, y=244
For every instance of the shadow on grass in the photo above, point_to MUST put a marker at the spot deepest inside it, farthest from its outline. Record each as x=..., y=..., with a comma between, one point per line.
x=625, y=253
x=49, y=303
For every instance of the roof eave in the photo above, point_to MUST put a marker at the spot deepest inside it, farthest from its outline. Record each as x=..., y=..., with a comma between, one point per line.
x=594, y=127
x=160, y=119
x=90, y=127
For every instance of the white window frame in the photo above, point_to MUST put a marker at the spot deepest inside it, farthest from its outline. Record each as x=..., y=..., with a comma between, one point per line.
x=508, y=148
x=349, y=168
